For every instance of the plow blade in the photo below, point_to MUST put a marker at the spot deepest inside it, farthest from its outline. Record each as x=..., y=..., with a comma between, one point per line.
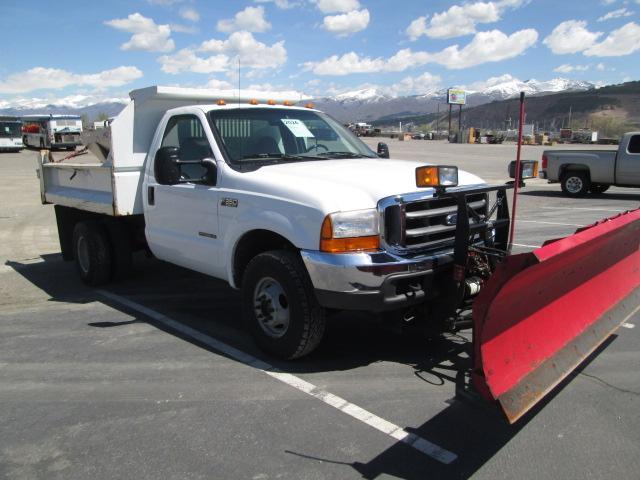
x=543, y=312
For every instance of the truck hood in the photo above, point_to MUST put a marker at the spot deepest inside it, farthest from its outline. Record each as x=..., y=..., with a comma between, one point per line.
x=339, y=185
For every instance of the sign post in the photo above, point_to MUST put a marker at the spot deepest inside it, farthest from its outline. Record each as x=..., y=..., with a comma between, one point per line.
x=456, y=96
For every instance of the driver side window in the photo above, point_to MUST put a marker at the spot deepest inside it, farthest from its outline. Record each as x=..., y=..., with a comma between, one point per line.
x=186, y=133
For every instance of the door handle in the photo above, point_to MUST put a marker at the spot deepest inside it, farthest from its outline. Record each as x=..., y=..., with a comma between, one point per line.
x=151, y=195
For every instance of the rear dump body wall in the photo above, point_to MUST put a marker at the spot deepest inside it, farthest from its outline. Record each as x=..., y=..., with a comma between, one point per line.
x=542, y=313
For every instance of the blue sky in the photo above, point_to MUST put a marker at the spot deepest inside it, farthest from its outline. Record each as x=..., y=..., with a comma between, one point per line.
x=68, y=50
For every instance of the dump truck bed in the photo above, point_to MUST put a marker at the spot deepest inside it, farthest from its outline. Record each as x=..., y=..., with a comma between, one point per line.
x=95, y=187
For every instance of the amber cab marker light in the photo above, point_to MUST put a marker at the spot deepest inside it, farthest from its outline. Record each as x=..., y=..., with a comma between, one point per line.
x=288, y=103
x=253, y=101
x=343, y=245
x=221, y=102
x=271, y=102
x=309, y=105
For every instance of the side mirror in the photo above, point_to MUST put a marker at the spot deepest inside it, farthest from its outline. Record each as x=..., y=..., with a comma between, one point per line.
x=211, y=175
x=166, y=166
x=383, y=150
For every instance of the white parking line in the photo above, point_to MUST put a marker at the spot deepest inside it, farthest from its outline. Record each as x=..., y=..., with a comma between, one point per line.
x=584, y=208
x=627, y=325
x=551, y=223
x=523, y=245
x=424, y=446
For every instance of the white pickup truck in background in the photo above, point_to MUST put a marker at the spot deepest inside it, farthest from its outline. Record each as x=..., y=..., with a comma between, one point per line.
x=280, y=201
x=594, y=171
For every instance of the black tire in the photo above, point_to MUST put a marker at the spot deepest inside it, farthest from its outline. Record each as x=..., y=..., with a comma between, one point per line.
x=597, y=189
x=306, y=319
x=575, y=183
x=92, y=253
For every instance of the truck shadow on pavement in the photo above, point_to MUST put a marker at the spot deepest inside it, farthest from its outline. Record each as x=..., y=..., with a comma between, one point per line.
x=471, y=429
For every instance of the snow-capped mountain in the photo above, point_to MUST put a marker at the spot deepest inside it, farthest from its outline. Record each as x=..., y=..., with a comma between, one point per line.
x=512, y=88
x=371, y=103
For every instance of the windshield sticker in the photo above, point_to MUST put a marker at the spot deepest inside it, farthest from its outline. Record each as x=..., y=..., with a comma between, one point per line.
x=296, y=127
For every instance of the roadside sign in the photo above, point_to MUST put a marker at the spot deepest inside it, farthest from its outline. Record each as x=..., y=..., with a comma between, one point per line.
x=456, y=97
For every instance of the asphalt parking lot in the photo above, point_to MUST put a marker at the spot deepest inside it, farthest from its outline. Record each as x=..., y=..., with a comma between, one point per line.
x=154, y=378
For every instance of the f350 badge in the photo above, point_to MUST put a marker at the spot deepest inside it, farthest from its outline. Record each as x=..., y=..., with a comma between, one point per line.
x=229, y=202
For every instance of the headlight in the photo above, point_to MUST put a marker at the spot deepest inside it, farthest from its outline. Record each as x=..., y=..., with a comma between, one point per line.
x=350, y=231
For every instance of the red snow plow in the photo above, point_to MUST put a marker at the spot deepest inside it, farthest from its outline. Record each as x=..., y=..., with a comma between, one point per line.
x=540, y=314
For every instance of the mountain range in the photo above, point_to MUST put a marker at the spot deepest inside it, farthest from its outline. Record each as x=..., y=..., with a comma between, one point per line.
x=369, y=104
x=362, y=105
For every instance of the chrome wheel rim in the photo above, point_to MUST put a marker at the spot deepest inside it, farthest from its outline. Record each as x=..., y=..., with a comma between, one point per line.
x=574, y=184
x=271, y=307
x=83, y=255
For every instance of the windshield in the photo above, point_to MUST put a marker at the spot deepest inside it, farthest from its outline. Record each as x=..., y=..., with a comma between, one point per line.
x=10, y=129
x=269, y=135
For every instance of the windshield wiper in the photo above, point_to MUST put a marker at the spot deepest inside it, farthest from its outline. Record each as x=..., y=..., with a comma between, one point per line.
x=284, y=156
x=340, y=155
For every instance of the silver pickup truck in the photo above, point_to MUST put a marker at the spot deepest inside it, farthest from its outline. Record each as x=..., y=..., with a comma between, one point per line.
x=594, y=171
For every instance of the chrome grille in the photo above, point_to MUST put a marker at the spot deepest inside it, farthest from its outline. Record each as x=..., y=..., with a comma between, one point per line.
x=428, y=223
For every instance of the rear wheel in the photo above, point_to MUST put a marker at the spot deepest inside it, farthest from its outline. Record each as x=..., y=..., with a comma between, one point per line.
x=597, y=189
x=279, y=305
x=92, y=253
x=575, y=183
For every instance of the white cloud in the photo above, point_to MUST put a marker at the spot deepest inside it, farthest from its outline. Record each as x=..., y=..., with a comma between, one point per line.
x=337, y=6
x=345, y=65
x=571, y=36
x=40, y=78
x=253, y=54
x=190, y=14
x=424, y=83
x=623, y=41
x=417, y=28
x=219, y=84
x=601, y=67
x=281, y=4
x=186, y=60
x=568, y=68
x=619, y=13
x=460, y=20
x=250, y=19
x=492, y=46
x=347, y=23
x=147, y=35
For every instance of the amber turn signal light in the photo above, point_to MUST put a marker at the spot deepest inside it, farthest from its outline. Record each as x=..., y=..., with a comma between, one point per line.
x=437, y=176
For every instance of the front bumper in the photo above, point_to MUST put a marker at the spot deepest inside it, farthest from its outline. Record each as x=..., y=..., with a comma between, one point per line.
x=373, y=281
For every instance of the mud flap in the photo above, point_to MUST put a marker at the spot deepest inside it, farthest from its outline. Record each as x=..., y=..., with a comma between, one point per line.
x=543, y=312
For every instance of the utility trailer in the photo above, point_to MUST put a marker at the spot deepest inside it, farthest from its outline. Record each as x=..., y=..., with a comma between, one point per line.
x=287, y=205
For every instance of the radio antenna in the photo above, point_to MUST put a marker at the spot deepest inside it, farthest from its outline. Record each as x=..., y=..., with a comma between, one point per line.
x=238, y=81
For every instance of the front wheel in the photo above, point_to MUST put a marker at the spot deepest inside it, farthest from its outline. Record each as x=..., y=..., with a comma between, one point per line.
x=575, y=184
x=279, y=305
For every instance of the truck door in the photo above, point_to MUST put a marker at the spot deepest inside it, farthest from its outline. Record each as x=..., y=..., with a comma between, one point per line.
x=182, y=219
x=628, y=166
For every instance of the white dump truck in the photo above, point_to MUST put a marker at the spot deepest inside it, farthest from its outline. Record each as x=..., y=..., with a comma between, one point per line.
x=282, y=202
x=594, y=171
